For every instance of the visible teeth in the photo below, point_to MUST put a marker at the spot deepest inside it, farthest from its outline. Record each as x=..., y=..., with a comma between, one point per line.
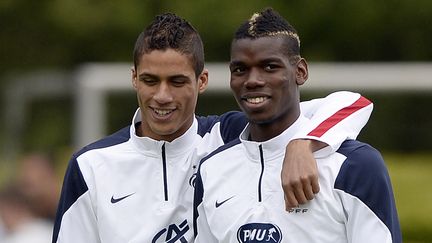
x=162, y=112
x=256, y=100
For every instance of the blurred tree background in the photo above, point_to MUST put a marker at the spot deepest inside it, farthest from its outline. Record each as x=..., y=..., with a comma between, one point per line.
x=63, y=34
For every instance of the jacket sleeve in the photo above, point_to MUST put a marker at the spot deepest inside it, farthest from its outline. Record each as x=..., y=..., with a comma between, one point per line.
x=365, y=191
x=75, y=219
x=335, y=118
x=201, y=227
x=204, y=234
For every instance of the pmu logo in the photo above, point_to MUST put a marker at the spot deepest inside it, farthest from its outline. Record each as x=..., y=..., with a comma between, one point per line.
x=257, y=232
x=172, y=234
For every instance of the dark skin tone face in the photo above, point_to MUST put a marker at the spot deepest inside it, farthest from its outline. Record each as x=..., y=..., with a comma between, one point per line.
x=265, y=84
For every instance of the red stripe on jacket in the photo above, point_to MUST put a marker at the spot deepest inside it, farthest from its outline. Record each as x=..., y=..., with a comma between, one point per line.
x=339, y=116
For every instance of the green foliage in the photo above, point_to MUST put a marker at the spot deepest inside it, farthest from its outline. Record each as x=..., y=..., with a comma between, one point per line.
x=48, y=125
x=399, y=122
x=411, y=175
x=65, y=33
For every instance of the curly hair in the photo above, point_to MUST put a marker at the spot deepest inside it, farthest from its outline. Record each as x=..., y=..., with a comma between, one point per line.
x=269, y=23
x=169, y=31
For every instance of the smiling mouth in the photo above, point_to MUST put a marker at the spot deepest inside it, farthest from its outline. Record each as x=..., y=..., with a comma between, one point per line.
x=162, y=112
x=256, y=100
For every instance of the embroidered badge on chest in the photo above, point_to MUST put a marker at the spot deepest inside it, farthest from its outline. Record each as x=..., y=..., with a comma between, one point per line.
x=172, y=234
x=259, y=232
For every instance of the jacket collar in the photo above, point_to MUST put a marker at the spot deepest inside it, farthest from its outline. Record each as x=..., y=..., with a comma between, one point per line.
x=153, y=147
x=274, y=147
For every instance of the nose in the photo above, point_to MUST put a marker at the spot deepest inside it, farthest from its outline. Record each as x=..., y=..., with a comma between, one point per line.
x=163, y=94
x=254, y=79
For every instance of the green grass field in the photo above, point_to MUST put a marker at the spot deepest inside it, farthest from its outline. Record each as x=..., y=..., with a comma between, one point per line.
x=412, y=178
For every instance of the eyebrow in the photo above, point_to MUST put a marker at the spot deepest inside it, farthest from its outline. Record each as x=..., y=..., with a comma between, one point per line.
x=178, y=76
x=271, y=59
x=235, y=63
x=142, y=75
x=266, y=60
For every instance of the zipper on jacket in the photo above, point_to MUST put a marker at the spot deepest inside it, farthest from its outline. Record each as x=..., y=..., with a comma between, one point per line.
x=262, y=172
x=165, y=177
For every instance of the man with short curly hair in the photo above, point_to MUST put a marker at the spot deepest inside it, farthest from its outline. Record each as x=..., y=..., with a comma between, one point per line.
x=238, y=197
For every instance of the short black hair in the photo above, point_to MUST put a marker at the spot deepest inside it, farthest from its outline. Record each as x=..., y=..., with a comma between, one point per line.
x=169, y=31
x=269, y=23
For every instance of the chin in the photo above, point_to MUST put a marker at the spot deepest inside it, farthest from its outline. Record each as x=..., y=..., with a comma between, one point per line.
x=261, y=121
x=162, y=130
x=165, y=132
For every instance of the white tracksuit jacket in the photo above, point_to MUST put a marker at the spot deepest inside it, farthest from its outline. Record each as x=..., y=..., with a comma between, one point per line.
x=126, y=188
x=239, y=198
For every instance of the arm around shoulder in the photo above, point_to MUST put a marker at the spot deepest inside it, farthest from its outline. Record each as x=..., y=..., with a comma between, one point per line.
x=335, y=118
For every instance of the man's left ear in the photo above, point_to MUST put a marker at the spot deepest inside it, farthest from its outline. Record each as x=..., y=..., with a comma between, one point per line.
x=134, y=77
x=302, y=72
x=203, y=81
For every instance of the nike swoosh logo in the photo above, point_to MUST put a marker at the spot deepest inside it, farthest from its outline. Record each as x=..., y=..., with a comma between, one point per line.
x=116, y=200
x=218, y=204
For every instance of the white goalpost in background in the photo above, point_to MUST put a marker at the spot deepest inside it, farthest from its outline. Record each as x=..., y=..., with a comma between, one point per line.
x=95, y=81
x=90, y=85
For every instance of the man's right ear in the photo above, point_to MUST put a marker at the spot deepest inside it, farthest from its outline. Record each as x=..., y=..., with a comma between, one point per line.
x=134, y=77
x=203, y=81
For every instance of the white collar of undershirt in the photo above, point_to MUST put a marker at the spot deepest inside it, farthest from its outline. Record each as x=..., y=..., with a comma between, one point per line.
x=150, y=146
x=274, y=147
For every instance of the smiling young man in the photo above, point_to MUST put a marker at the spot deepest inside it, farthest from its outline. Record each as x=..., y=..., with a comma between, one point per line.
x=238, y=197
x=137, y=184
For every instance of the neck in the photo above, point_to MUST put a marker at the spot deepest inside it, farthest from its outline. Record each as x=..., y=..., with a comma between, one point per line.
x=264, y=131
